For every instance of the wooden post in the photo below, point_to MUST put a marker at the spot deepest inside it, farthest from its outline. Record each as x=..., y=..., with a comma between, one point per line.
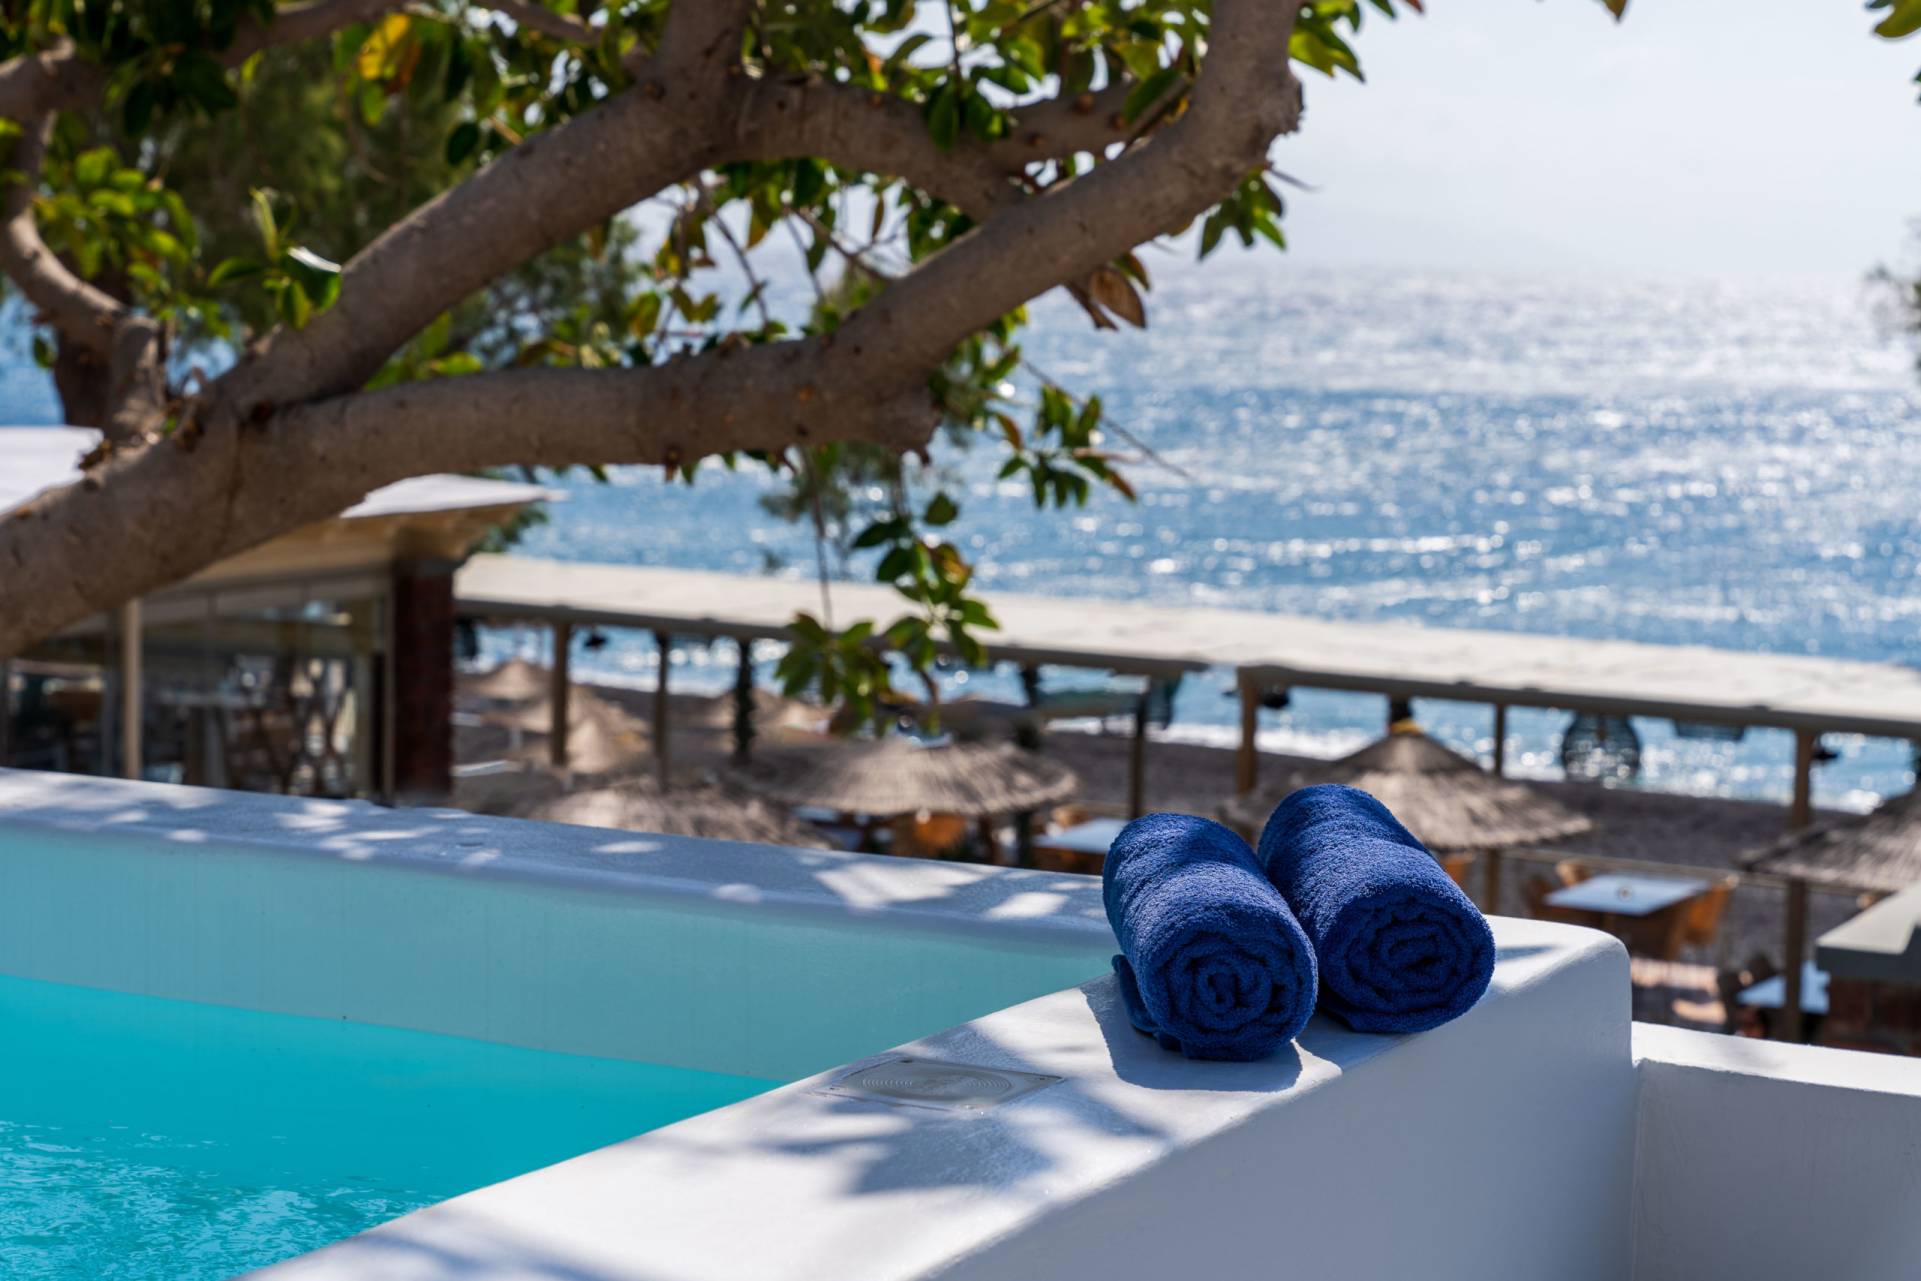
x=363, y=689
x=6, y=710
x=1247, y=760
x=1398, y=709
x=744, y=702
x=1137, y=762
x=417, y=695
x=1491, y=883
x=130, y=690
x=990, y=839
x=1801, y=812
x=1500, y=740
x=557, y=695
x=665, y=644
x=1795, y=943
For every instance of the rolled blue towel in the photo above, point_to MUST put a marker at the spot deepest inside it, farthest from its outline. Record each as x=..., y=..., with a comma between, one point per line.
x=1400, y=948
x=1212, y=963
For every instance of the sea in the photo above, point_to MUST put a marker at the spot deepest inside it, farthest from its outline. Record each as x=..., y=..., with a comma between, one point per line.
x=1722, y=461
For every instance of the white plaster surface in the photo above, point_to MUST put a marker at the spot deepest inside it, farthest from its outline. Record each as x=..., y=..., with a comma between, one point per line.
x=1768, y=1162
x=1496, y=1147
x=701, y=954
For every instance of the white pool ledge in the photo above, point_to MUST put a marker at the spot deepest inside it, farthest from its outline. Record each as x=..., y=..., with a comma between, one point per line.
x=1348, y=1156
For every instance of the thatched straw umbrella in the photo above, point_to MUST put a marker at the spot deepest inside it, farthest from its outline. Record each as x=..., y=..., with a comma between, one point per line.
x=896, y=775
x=714, y=811
x=770, y=709
x=601, y=736
x=1878, y=854
x=514, y=681
x=1444, y=798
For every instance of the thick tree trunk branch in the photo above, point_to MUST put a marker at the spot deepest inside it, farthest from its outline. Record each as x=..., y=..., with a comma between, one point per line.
x=174, y=510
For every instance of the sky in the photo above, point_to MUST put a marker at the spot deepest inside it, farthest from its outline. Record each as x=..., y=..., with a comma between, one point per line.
x=1698, y=136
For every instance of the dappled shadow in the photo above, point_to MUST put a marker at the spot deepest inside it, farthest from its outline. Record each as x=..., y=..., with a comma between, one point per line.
x=1015, y=1150
x=456, y=840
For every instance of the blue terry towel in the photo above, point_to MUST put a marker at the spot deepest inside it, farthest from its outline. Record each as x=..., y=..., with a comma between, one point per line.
x=1212, y=963
x=1400, y=948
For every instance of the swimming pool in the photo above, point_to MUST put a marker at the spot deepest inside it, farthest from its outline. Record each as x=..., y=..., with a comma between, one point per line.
x=238, y=1028
x=153, y=1140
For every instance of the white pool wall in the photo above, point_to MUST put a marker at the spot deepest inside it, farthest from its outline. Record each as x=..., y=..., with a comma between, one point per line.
x=1766, y=1161
x=699, y=954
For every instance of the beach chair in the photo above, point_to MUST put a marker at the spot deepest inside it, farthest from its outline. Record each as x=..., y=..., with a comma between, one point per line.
x=1534, y=893
x=1702, y=926
x=1572, y=871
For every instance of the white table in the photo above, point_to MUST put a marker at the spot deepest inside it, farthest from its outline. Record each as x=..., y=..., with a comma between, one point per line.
x=1092, y=837
x=1770, y=994
x=1614, y=895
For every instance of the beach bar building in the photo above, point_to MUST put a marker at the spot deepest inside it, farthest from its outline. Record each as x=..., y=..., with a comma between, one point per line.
x=319, y=663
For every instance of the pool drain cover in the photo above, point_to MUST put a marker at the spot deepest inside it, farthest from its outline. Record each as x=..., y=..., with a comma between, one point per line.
x=945, y=1087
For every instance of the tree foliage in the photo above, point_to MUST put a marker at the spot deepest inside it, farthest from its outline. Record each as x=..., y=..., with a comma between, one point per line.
x=592, y=210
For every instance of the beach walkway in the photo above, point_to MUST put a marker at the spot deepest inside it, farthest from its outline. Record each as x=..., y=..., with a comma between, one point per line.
x=1806, y=695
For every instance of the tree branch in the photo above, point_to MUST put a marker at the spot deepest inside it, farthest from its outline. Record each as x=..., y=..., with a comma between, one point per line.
x=173, y=510
x=703, y=37
x=544, y=191
x=1067, y=232
x=872, y=132
x=1059, y=127
x=79, y=312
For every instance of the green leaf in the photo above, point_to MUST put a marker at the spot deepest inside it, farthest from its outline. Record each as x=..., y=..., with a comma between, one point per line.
x=203, y=81
x=1148, y=92
x=136, y=113
x=1904, y=19
x=895, y=564
x=941, y=511
x=943, y=116
x=462, y=142
x=234, y=269
x=295, y=307
x=92, y=167
x=317, y=278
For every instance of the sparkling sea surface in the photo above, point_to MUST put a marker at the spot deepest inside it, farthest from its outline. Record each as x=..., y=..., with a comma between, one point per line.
x=1732, y=462
x=153, y=1140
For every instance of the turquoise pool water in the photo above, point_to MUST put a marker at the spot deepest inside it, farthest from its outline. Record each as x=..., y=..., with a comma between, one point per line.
x=154, y=1140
